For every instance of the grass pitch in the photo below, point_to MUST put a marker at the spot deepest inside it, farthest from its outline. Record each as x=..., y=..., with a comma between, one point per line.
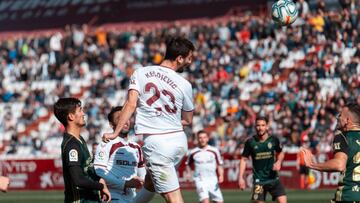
x=230, y=196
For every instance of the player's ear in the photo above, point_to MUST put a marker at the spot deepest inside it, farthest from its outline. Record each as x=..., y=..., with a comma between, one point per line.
x=71, y=117
x=180, y=59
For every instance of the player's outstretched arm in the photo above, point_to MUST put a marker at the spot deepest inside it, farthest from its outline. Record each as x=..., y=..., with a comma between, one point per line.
x=242, y=168
x=125, y=114
x=338, y=163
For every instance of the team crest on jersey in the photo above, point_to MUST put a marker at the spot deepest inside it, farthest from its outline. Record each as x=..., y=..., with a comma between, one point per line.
x=101, y=155
x=73, y=155
x=269, y=145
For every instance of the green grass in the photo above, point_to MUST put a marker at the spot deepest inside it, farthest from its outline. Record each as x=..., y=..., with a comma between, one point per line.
x=230, y=196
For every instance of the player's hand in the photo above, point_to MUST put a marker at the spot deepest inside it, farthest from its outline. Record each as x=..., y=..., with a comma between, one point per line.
x=105, y=193
x=4, y=183
x=277, y=166
x=108, y=136
x=242, y=183
x=221, y=179
x=308, y=156
x=135, y=182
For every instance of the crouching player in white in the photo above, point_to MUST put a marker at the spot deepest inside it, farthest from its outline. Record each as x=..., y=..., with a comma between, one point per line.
x=208, y=163
x=120, y=163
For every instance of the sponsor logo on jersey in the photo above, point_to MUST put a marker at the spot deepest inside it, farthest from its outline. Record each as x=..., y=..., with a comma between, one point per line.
x=73, y=155
x=126, y=163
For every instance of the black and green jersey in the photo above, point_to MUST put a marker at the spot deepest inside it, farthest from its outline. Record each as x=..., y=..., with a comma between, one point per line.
x=349, y=183
x=75, y=155
x=263, y=158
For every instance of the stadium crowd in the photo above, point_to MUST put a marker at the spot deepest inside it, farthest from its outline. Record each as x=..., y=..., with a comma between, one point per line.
x=244, y=66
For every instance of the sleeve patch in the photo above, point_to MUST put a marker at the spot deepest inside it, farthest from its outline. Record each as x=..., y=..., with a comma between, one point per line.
x=101, y=155
x=73, y=155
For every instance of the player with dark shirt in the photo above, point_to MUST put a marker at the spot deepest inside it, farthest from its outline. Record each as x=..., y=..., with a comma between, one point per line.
x=266, y=155
x=346, y=147
x=81, y=182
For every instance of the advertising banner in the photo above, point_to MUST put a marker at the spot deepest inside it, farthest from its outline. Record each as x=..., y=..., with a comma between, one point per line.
x=46, y=174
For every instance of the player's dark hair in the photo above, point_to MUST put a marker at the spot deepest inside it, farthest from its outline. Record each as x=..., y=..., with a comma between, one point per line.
x=354, y=108
x=200, y=132
x=111, y=114
x=178, y=46
x=262, y=118
x=63, y=107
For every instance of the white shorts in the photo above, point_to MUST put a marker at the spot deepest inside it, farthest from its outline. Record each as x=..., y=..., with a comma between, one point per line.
x=208, y=189
x=163, y=153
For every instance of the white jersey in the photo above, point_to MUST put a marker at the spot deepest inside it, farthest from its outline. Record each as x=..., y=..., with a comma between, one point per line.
x=163, y=94
x=116, y=162
x=205, y=160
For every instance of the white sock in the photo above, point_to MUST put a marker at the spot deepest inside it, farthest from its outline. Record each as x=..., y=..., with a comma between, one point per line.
x=144, y=196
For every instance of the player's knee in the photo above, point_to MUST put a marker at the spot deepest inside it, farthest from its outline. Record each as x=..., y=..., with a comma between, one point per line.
x=205, y=200
x=282, y=199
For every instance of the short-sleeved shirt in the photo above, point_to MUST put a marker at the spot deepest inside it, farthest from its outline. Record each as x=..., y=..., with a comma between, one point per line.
x=349, y=184
x=205, y=161
x=120, y=159
x=74, y=152
x=263, y=158
x=163, y=95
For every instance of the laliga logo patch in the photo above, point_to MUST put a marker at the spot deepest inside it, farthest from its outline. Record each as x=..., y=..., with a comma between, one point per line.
x=73, y=155
x=269, y=145
x=101, y=155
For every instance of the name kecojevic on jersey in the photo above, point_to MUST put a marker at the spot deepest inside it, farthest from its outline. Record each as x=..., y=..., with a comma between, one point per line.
x=163, y=94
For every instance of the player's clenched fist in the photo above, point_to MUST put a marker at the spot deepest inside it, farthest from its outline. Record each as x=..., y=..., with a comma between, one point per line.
x=108, y=136
x=135, y=182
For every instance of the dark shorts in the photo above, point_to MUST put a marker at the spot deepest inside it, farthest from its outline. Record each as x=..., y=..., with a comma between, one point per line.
x=275, y=188
x=304, y=170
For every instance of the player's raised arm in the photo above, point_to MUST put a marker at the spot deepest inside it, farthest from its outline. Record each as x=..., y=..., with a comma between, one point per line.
x=125, y=114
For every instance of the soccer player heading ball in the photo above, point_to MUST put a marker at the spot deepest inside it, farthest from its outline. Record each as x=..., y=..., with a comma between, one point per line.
x=163, y=101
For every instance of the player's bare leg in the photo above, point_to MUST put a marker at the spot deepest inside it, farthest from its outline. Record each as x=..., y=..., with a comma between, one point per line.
x=173, y=197
x=281, y=199
x=258, y=202
x=218, y=202
x=205, y=200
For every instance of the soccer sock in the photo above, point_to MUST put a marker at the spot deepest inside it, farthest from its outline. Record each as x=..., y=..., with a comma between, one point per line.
x=144, y=196
x=302, y=182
